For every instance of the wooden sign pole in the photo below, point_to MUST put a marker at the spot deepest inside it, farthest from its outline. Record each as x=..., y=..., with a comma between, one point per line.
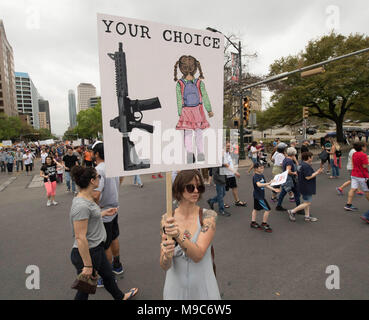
x=169, y=196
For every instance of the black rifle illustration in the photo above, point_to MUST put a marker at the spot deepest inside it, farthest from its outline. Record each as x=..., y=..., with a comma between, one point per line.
x=130, y=113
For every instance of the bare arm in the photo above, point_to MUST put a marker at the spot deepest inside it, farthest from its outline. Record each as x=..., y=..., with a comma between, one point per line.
x=195, y=251
x=80, y=231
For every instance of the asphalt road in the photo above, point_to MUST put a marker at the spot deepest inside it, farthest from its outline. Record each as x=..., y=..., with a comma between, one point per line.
x=289, y=263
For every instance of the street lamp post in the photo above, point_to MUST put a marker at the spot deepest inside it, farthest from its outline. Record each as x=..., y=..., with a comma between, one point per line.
x=242, y=155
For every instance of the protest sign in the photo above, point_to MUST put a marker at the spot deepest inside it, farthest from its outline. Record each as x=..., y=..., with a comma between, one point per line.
x=279, y=179
x=162, y=96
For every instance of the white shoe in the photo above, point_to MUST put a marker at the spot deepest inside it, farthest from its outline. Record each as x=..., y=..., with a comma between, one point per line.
x=48, y=204
x=54, y=203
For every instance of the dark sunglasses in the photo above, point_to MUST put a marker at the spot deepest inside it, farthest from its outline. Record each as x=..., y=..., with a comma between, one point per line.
x=190, y=188
x=97, y=176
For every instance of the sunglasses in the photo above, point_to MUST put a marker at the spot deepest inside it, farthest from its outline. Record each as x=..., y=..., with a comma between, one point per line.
x=190, y=188
x=98, y=176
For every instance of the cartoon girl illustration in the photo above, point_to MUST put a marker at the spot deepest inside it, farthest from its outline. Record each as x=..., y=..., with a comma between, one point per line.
x=191, y=98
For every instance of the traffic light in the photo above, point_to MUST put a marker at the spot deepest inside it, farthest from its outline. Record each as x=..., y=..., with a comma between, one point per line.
x=246, y=109
x=305, y=112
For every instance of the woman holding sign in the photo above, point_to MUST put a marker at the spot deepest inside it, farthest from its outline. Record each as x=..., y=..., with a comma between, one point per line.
x=186, y=251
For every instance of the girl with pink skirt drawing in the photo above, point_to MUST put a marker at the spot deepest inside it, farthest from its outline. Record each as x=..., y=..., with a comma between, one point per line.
x=191, y=100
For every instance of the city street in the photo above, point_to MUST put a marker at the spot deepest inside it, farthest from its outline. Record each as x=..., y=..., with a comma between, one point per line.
x=289, y=263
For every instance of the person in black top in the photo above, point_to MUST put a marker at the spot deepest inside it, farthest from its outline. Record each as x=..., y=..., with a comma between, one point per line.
x=69, y=161
x=289, y=164
x=304, y=147
x=48, y=172
x=260, y=203
x=307, y=187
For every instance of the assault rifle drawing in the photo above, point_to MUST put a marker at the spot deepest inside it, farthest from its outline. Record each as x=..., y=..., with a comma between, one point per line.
x=130, y=113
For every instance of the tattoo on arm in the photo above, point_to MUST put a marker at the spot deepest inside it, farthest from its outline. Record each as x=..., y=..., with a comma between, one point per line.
x=187, y=234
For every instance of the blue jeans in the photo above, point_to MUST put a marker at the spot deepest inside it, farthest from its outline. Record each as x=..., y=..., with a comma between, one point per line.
x=68, y=178
x=296, y=194
x=219, y=197
x=137, y=180
x=335, y=169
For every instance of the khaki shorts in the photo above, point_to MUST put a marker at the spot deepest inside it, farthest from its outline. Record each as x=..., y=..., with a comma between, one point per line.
x=357, y=183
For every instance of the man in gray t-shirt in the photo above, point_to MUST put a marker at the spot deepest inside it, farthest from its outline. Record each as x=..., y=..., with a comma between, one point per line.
x=107, y=196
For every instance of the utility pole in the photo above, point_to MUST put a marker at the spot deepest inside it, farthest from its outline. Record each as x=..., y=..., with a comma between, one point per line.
x=242, y=155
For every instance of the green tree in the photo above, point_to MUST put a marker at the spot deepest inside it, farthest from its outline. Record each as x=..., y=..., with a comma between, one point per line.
x=341, y=89
x=89, y=122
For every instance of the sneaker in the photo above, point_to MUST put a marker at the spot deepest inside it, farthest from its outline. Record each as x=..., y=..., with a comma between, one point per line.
x=274, y=199
x=211, y=205
x=266, y=227
x=100, y=282
x=54, y=203
x=255, y=225
x=141, y=186
x=291, y=215
x=68, y=190
x=119, y=269
x=75, y=193
x=48, y=204
x=311, y=219
x=350, y=208
x=339, y=191
x=224, y=213
x=280, y=208
x=360, y=193
x=365, y=217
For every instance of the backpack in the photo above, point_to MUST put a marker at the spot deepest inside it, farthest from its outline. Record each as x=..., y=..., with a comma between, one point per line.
x=191, y=93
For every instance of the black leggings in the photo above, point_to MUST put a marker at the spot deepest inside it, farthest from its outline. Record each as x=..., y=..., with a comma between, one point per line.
x=103, y=268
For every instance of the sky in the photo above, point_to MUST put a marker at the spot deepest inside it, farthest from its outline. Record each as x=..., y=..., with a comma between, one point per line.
x=56, y=41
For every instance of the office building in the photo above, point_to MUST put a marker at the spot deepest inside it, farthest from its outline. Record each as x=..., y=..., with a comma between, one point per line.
x=44, y=114
x=72, y=109
x=27, y=98
x=8, y=99
x=85, y=92
x=94, y=101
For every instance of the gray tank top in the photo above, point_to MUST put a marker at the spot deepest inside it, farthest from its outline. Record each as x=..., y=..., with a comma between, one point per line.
x=187, y=280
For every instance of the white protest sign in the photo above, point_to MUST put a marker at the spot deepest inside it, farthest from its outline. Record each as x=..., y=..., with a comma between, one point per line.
x=279, y=179
x=7, y=143
x=162, y=96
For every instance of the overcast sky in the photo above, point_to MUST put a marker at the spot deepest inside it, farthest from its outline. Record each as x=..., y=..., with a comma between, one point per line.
x=56, y=41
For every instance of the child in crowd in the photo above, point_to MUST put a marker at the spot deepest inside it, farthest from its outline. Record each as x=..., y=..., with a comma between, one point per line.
x=259, y=198
x=59, y=171
x=307, y=187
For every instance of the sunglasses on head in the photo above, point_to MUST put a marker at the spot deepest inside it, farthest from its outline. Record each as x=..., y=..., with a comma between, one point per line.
x=190, y=188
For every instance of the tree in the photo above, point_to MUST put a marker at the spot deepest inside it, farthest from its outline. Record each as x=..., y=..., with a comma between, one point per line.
x=89, y=122
x=343, y=88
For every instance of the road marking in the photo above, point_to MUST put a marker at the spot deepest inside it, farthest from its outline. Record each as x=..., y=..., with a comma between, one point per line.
x=36, y=182
x=6, y=183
